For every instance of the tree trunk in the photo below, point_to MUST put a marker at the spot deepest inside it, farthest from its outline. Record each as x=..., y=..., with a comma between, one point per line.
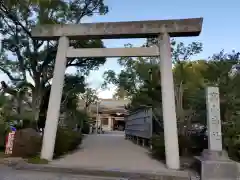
x=19, y=105
x=36, y=104
x=179, y=106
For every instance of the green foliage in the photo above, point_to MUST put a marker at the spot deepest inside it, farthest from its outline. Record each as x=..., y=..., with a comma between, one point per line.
x=2, y=135
x=66, y=140
x=231, y=138
x=37, y=160
x=89, y=97
x=74, y=86
x=139, y=80
x=82, y=120
x=158, y=146
x=85, y=128
x=188, y=145
x=22, y=56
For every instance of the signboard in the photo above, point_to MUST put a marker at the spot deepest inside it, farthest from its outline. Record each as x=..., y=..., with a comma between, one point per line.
x=214, y=119
x=9, y=142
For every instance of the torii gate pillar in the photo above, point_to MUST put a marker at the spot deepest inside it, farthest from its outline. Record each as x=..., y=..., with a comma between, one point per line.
x=168, y=103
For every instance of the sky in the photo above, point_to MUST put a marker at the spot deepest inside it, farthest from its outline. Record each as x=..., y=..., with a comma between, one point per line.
x=221, y=26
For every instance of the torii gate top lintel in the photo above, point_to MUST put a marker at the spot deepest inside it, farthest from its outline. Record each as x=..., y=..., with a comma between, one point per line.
x=116, y=30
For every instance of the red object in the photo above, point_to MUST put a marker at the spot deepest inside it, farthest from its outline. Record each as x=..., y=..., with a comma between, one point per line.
x=9, y=142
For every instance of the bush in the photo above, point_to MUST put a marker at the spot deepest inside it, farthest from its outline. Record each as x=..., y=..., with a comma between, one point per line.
x=188, y=145
x=2, y=136
x=158, y=147
x=86, y=128
x=231, y=140
x=66, y=140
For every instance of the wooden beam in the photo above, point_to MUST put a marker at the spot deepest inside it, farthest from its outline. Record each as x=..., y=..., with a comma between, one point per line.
x=113, y=52
x=116, y=30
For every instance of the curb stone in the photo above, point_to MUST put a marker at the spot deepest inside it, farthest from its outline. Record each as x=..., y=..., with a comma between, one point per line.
x=12, y=161
x=133, y=175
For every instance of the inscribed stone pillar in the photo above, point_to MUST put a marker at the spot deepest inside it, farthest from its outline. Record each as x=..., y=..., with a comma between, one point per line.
x=213, y=119
x=168, y=103
x=55, y=100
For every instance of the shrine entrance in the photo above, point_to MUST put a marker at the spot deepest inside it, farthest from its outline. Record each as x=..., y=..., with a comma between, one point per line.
x=160, y=29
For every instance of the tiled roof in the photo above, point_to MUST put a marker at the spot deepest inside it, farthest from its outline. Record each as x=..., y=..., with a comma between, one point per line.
x=108, y=105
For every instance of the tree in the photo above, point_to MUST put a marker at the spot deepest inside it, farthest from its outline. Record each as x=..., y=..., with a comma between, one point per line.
x=140, y=79
x=73, y=86
x=190, y=81
x=181, y=54
x=135, y=72
x=217, y=73
x=89, y=97
x=24, y=58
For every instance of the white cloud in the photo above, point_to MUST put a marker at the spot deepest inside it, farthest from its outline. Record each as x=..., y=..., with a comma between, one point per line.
x=107, y=94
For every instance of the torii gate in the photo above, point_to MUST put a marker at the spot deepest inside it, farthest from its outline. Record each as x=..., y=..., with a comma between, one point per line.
x=162, y=29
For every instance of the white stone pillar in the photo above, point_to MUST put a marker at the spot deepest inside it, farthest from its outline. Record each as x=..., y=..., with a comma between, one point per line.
x=55, y=100
x=109, y=123
x=168, y=103
x=99, y=122
x=214, y=119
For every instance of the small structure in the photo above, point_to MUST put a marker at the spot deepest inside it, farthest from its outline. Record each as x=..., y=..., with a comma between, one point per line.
x=160, y=29
x=110, y=113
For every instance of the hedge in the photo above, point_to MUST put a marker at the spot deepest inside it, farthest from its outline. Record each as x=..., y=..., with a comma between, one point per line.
x=188, y=146
x=2, y=136
x=66, y=140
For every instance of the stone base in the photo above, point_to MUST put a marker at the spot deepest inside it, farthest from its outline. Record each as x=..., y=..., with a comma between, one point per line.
x=215, y=155
x=216, y=166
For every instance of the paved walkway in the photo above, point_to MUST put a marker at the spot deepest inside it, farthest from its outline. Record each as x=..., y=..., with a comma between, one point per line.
x=110, y=151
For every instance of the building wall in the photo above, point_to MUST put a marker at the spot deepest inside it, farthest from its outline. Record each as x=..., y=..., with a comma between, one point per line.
x=106, y=107
x=106, y=122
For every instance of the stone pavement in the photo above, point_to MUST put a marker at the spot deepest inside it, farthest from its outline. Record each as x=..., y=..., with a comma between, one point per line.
x=110, y=151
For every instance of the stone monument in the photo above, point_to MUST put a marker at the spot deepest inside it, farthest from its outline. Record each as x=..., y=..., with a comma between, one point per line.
x=214, y=162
